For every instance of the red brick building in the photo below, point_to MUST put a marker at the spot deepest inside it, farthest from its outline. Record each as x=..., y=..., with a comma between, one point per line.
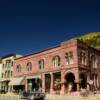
x=71, y=62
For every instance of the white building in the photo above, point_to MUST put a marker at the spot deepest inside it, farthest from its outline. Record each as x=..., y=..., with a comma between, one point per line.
x=0, y=72
x=7, y=70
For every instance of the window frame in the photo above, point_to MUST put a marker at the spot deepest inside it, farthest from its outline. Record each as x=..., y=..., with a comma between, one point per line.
x=56, y=61
x=18, y=68
x=29, y=66
x=69, y=57
x=41, y=64
x=83, y=58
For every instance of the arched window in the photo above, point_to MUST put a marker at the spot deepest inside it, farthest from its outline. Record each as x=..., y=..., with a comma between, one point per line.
x=41, y=64
x=83, y=58
x=18, y=68
x=69, y=58
x=29, y=66
x=93, y=61
x=56, y=61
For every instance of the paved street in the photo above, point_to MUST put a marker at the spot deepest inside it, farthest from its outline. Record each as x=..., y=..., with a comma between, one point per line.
x=51, y=97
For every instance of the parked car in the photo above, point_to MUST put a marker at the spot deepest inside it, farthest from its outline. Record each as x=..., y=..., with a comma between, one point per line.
x=32, y=95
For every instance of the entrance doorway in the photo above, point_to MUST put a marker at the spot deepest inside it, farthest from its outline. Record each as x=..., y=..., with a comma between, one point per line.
x=34, y=84
x=47, y=83
x=83, y=81
x=70, y=80
x=17, y=88
x=57, y=82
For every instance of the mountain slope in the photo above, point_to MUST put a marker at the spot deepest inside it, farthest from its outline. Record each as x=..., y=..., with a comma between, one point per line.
x=92, y=38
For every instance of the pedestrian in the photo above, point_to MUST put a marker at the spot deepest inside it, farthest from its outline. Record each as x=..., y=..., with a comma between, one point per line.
x=69, y=88
x=91, y=87
x=83, y=92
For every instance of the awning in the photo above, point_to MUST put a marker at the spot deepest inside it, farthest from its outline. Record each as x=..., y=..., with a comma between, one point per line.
x=17, y=81
x=4, y=80
x=1, y=81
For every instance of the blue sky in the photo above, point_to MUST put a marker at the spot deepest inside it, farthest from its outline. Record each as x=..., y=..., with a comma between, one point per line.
x=28, y=26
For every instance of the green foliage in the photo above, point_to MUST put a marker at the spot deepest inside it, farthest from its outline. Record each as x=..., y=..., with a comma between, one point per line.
x=92, y=38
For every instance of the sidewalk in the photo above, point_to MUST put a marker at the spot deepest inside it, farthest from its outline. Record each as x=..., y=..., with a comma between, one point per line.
x=69, y=97
x=12, y=96
x=9, y=94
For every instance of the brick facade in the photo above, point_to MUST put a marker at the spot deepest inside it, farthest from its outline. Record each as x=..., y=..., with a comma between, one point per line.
x=77, y=68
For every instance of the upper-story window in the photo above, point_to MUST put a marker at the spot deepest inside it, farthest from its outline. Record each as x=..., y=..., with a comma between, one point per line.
x=29, y=66
x=41, y=64
x=69, y=58
x=3, y=66
x=18, y=68
x=6, y=73
x=8, y=63
x=2, y=75
x=11, y=73
x=94, y=61
x=56, y=61
x=12, y=63
x=83, y=58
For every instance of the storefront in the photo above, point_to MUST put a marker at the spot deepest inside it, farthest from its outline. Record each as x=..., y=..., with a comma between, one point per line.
x=17, y=84
x=33, y=83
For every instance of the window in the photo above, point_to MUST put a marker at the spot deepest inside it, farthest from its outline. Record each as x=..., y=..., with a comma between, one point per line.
x=41, y=64
x=83, y=58
x=3, y=67
x=93, y=61
x=96, y=62
x=12, y=63
x=8, y=74
x=29, y=66
x=2, y=75
x=69, y=58
x=18, y=68
x=5, y=74
x=56, y=61
x=8, y=63
x=11, y=73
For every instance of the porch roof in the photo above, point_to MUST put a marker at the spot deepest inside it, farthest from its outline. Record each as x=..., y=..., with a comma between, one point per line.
x=17, y=81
